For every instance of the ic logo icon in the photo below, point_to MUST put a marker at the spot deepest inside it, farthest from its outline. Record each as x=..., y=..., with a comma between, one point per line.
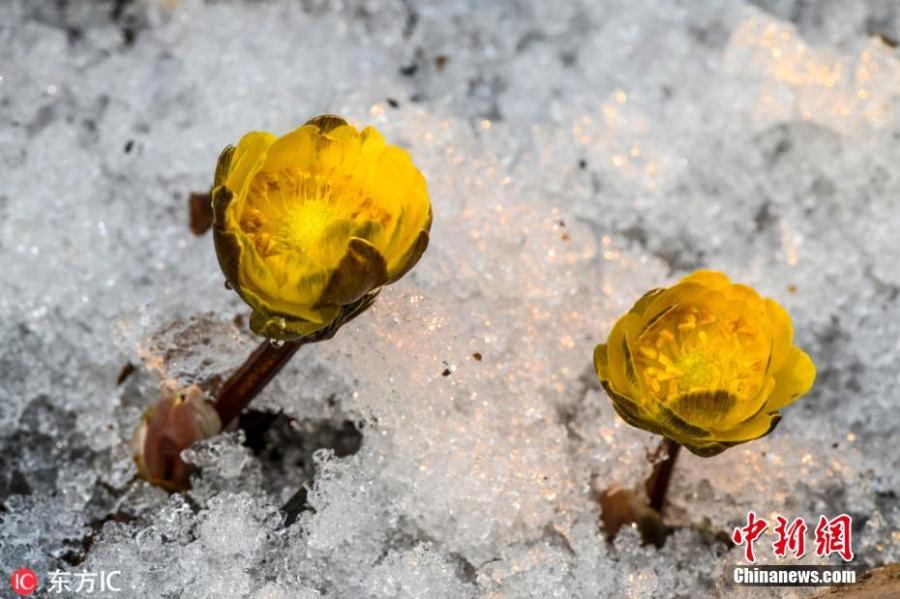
x=23, y=581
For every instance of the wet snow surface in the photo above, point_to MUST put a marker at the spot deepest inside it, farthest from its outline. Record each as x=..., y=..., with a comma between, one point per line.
x=453, y=441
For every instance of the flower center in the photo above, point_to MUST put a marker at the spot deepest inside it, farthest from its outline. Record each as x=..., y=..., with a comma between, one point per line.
x=689, y=350
x=296, y=215
x=307, y=222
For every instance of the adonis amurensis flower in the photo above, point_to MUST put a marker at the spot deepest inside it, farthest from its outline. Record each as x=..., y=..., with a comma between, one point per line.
x=707, y=363
x=309, y=226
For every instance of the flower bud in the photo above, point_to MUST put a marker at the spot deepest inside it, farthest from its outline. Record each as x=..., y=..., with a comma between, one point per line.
x=181, y=418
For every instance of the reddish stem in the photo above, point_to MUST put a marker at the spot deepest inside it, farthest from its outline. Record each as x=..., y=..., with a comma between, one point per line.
x=252, y=376
x=658, y=484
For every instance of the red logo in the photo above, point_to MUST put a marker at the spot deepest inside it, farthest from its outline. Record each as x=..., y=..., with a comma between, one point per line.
x=747, y=535
x=832, y=536
x=23, y=581
x=791, y=538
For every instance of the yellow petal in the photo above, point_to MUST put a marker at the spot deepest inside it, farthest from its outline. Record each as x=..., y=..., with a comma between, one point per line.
x=372, y=141
x=675, y=427
x=601, y=361
x=683, y=293
x=273, y=306
x=302, y=287
x=708, y=278
x=705, y=449
x=642, y=304
x=795, y=377
x=298, y=149
x=223, y=166
x=706, y=409
x=398, y=187
x=247, y=158
x=743, y=293
x=326, y=123
x=782, y=334
x=284, y=329
x=631, y=412
x=621, y=357
x=621, y=371
x=757, y=427
x=402, y=264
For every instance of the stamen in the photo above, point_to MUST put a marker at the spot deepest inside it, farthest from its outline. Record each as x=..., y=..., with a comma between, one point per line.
x=674, y=370
x=673, y=390
x=690, y=350
x=263, y=242
x=252, y=220
x=689, y=323
x=647, y=352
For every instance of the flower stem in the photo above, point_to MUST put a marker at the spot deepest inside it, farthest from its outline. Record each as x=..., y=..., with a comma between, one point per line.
x=252, y=376
x=658, y=483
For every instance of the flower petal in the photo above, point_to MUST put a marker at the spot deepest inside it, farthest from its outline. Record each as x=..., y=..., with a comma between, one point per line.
x=621, y=370
x=223, y=165
x=706, y=409
x=361, y=270
x=631, y=412
x=247, y=158
x=298, y=149
x=674, y=426
x=642, y=304
x=782, y=334
x=270, y=307
x=743, y=293
x=399, y=188
x=686, y=293
x=601, y=361
x=372, y=141
x=228, y=248
x=795, y=377
x=757, y=427
x=287, y=328
x=326, y=123
x=708, y=278
x=706, y=449
x=403, y=264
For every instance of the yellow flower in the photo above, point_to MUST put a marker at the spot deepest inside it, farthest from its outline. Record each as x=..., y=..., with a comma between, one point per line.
x=309, y=226
x=706, y=363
